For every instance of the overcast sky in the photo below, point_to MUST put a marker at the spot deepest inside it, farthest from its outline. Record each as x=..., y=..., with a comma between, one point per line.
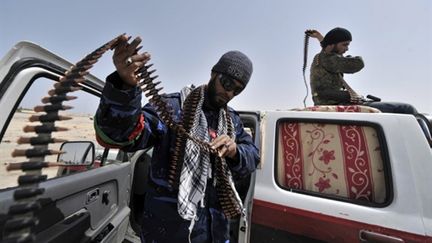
x=187, y=37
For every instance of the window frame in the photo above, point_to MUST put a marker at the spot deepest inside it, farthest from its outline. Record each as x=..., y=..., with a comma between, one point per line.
x=51, y=72
x=46, y=67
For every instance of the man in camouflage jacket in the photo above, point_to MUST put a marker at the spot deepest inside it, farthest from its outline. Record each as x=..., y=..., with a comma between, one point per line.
x=327, y=74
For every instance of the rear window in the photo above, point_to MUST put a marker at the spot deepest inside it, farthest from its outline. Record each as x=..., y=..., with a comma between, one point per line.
x=341, y=161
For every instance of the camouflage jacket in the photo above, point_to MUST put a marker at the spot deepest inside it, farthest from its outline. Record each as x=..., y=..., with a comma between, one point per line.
x=326, y=77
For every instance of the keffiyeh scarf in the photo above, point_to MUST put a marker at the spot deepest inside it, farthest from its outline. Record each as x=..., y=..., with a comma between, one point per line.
x=196, y=168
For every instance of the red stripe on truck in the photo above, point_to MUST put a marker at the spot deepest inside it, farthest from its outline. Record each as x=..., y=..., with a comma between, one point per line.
x=320, y=226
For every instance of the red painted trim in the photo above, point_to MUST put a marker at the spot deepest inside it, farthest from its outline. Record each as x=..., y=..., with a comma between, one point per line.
x=319, y=226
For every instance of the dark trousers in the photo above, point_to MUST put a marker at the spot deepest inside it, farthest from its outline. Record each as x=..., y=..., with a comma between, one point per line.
x=161, y=223
x=392, y=107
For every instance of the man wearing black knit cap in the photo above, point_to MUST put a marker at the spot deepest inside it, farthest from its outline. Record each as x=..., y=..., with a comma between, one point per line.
x=328, y=67
x=186, y=183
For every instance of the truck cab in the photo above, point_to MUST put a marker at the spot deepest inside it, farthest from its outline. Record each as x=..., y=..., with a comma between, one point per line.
x=343, y=174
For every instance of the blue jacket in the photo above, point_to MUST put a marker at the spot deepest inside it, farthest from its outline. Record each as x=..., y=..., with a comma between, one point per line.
x=121, y=122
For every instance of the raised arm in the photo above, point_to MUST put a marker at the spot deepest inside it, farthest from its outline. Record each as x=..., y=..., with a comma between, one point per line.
x=314, y=34
x=128, y=61
x=120, y=121
x=339, y=64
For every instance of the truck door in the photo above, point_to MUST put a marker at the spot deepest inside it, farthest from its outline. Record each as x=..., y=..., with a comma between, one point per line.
x=339, y=177
x=85, y=203
x=240, y=228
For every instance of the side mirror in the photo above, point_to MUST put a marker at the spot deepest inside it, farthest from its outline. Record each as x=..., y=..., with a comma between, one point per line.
x=77, y=153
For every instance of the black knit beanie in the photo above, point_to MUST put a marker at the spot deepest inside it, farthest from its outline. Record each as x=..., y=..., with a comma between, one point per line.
x=336, y=35
x=235, y=65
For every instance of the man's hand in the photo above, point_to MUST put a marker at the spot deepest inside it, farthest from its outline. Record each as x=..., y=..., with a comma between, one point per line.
x=358, y=100
x=225, y=146
x=314, y=34
x=128, y=61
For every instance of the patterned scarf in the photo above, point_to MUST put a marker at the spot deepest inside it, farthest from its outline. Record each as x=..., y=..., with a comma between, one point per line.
x=196, y=169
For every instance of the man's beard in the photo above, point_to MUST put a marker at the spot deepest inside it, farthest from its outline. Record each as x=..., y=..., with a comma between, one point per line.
x=212, y=96
x=336, y=51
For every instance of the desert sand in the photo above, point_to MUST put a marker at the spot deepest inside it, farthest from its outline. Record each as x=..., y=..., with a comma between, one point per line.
x=80, y=128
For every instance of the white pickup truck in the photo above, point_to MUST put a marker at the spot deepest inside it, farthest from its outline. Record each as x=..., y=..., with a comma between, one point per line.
x=327, y=174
